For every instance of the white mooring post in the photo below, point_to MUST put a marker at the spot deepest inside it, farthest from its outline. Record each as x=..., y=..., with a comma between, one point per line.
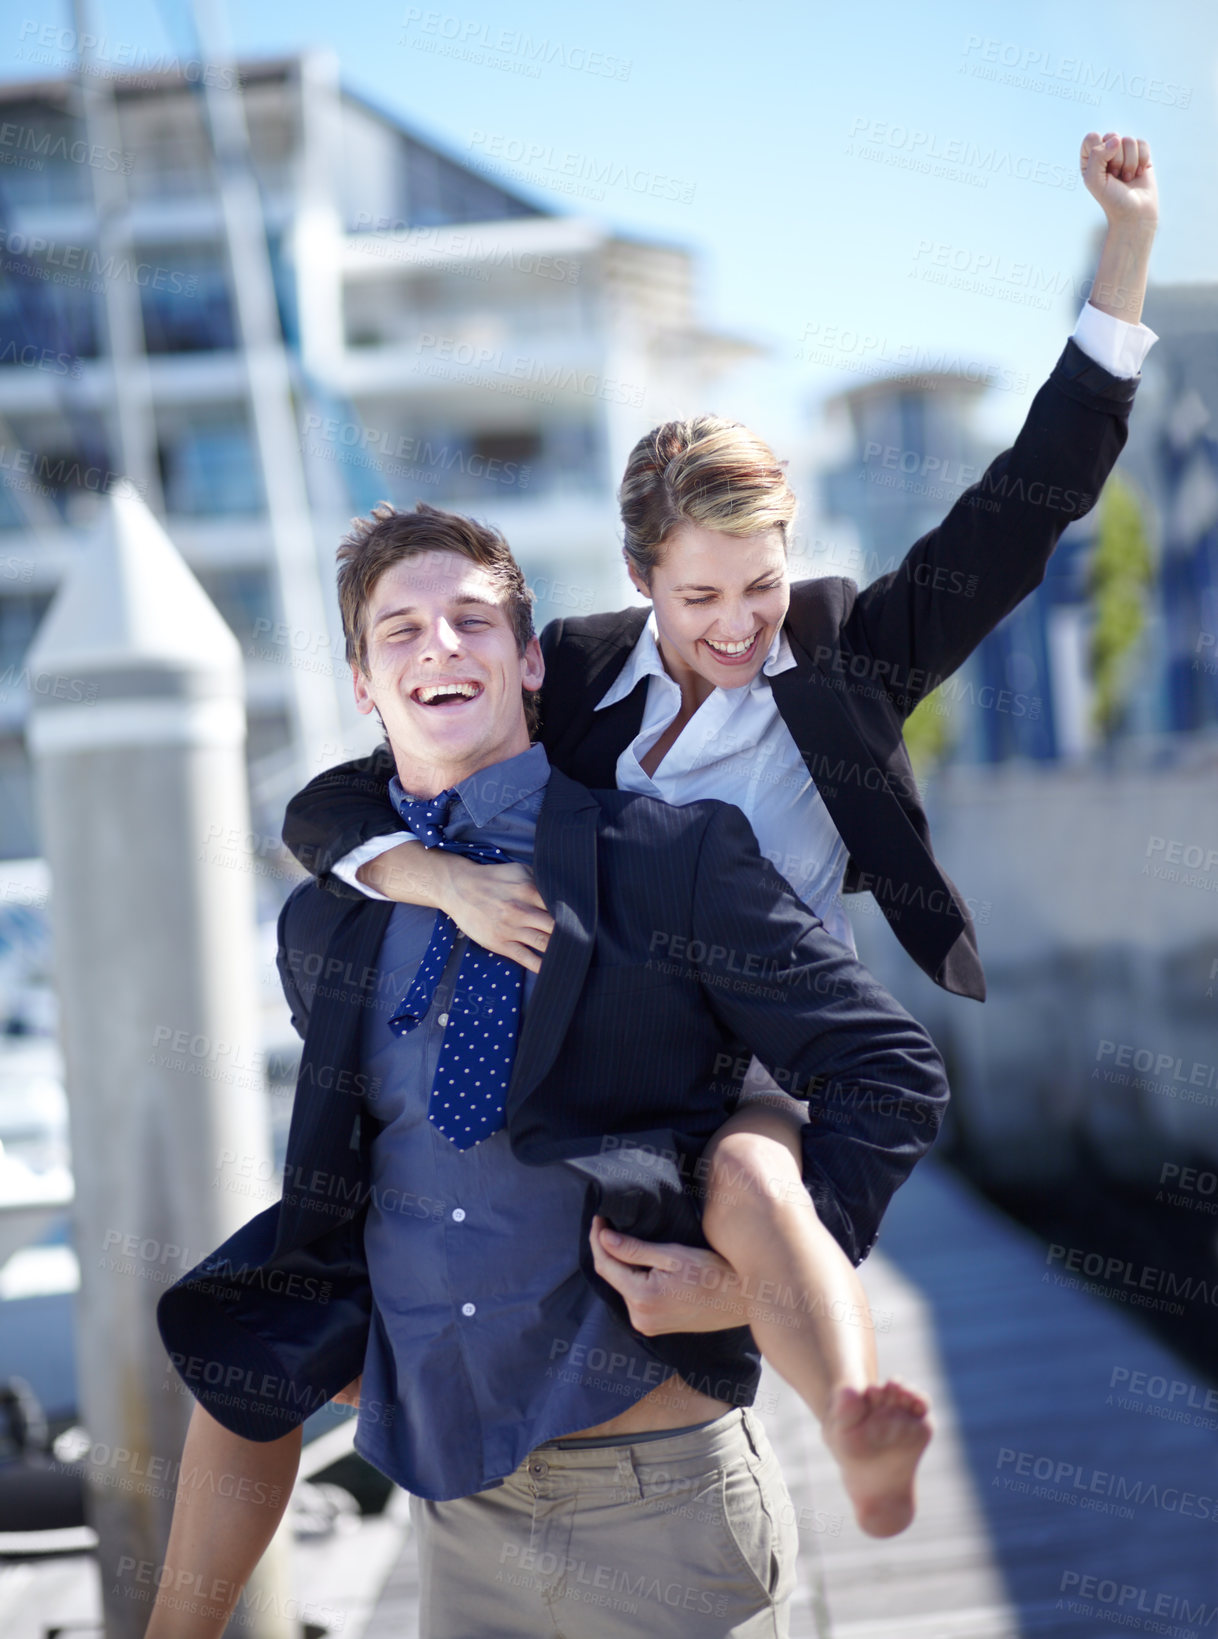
x=137, y=733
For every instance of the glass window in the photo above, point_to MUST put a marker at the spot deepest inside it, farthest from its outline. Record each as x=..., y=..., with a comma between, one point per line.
x=166, y=135
x=283, y=276
x=436, y=463
x=243, y=597
x=20, y=617
x=439, y=191
x=53, y=309
x=184, y=299
x=502, y=461
x=42, y=154
x=209, y=468
x=18, y=830
x=51, y=460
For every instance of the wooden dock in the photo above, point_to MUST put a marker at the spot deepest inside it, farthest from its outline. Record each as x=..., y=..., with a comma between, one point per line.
x=1063, y=1494
x=1071, y=1489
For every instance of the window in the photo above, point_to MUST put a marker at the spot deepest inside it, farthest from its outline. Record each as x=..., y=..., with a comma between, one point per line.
x=51, y=460
x=439, y=191
x=485, y=464
x=18, y=830
x=20, y=617
x=209, y=468
x=184, y=299
x=505, y=458
x=166, y=135
x=40, y=308
x=37, y=145
x=243, y=597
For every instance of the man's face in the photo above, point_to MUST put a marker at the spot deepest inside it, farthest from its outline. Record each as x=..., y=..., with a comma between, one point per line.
x=444, y=671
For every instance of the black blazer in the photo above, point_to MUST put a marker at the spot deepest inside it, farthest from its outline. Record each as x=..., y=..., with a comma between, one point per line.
x=864, y=659
x=677, y=951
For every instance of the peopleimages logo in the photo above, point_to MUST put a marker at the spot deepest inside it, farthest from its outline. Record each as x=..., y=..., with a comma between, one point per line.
x=1064, y=1480
x=42, y=42
x=957, y=158
x=1125, y=1055
x=1036, y=69
x=40, y=143
x=470, y=39
x=1128, y=1598
x=32, y=255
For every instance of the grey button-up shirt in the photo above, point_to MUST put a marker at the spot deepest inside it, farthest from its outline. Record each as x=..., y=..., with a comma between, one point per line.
x=486, y=1339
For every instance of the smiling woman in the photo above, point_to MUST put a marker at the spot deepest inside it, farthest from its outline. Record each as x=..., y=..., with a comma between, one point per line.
x=705, y=510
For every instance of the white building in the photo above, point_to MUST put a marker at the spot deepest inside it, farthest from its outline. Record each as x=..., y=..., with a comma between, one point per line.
x=450, y=341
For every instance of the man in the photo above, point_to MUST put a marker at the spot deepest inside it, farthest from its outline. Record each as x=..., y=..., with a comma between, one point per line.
x=442, y=1175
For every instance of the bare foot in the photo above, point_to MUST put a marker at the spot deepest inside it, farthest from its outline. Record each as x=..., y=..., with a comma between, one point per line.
x=877, y=1436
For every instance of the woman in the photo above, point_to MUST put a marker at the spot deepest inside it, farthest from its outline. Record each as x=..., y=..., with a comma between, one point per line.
x=788, y=701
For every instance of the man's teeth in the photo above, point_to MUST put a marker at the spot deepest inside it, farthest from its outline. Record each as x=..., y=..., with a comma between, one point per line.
x=731, y=648
x=436, y=691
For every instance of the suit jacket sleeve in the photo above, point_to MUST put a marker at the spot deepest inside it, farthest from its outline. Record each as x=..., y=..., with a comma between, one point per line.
x=826, y=1031
x=338, y=810
x=922, y=620
x=264, y=1338
x=551, y=636
x=288, y=968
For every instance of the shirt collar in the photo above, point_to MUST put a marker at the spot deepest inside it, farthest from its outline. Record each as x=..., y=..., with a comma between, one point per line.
x=516, y=781
x=645, y=661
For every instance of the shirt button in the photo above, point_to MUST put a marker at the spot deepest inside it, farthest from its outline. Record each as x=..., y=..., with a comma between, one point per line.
x=443, y=1019
x=458, y=1215
x=536, y=1466
x=468, y=1309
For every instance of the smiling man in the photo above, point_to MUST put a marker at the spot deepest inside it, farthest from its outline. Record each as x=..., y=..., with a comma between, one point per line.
x=453, y=694
x=459, y=1120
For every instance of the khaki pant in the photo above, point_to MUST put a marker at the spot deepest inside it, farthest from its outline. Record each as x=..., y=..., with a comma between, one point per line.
x=692, y=1535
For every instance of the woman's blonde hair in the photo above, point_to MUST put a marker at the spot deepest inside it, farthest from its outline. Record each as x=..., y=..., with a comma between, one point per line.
x=709, y=471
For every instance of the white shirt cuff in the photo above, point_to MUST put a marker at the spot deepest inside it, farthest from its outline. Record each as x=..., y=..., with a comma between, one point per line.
x=347, y=866
x=1120, y=347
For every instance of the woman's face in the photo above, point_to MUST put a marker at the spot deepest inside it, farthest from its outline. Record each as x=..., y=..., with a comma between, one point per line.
x=719, y=599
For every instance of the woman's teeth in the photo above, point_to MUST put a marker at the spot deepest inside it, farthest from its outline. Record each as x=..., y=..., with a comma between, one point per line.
x=730, y=649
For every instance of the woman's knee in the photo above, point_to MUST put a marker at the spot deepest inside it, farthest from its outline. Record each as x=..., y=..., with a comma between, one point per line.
x=752, y=1174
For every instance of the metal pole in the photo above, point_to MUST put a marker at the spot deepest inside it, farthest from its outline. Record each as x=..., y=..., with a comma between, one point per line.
x=313, y=687
x=136, y=733
x=130, y=383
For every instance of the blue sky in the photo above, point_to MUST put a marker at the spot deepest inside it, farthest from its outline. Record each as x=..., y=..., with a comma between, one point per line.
x=902, y=177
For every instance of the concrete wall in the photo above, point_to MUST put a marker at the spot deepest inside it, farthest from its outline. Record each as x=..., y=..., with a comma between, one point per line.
x=1096, y=900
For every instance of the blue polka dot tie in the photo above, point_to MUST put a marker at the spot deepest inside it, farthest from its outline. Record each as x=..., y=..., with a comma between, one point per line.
x=469, y=1094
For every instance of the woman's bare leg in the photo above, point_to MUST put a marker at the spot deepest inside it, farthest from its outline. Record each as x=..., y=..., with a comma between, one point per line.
x=809, y=1314
x=219, y=1532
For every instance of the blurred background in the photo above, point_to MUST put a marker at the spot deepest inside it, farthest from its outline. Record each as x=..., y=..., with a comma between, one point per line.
x=273, y=264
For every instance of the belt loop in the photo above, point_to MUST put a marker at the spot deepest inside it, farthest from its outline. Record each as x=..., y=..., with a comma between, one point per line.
x=747, y=1416
x=626, y=1478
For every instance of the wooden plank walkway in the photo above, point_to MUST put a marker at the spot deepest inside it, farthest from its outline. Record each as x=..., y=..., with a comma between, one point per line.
x=1056, y=1499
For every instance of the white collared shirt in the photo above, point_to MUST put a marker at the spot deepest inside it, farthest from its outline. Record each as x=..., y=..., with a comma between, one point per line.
x=737, y=748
